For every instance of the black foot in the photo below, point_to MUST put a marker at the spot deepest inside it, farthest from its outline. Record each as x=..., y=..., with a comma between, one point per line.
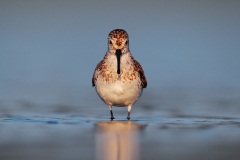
x=112, y=118
x=111, y=115
x=128, y=117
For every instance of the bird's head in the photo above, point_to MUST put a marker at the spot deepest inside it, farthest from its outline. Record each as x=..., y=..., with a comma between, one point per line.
x=118, y=45
x=118, y=40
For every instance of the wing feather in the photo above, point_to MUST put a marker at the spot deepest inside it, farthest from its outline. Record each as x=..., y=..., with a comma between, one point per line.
x=98, y=67
x=140, y=71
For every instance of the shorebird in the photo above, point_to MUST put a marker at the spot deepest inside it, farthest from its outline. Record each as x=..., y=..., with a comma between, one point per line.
x=119, y=79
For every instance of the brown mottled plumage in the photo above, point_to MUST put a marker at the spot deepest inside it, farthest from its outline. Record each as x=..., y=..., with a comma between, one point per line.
x=119, y=78
x=140, y=71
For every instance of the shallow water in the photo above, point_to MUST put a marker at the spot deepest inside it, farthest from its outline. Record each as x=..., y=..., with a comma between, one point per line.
x=67, y=123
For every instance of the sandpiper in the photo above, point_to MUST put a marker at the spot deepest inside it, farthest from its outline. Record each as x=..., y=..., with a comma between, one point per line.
x=119, y=79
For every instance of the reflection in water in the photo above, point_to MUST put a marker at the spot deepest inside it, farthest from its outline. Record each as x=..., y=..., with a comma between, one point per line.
x=118, y=140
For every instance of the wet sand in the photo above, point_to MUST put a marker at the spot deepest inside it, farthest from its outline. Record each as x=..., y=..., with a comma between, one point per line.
x=175, y=125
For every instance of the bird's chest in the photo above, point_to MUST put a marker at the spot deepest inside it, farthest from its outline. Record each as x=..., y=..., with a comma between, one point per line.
x=108, y=74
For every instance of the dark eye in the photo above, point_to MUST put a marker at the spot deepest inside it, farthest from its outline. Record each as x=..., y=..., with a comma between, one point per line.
x=110, y=42
x=126, y=42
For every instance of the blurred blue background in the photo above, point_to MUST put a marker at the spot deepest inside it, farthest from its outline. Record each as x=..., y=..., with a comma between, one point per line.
x=178, y=43
x=190, y=52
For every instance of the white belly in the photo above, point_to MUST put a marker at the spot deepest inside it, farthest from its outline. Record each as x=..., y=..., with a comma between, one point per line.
x=119, y=93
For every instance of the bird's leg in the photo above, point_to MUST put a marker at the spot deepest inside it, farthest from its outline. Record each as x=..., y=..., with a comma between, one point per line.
x=129, y=110
x=111, y=112
x=111, y=115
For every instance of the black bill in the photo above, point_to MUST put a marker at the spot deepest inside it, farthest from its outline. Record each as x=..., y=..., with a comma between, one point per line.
x=118, y=54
